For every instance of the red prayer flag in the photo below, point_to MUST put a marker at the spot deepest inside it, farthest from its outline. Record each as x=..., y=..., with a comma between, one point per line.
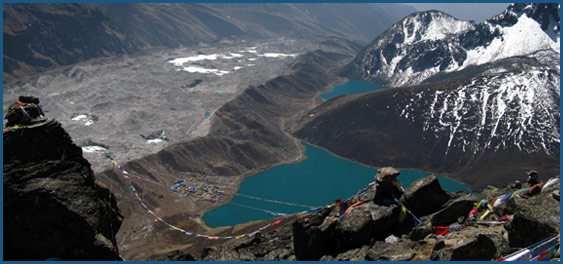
x=442, y=230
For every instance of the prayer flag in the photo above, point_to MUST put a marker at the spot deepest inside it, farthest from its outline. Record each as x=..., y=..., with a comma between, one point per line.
x=442, y=230
x=522, y=255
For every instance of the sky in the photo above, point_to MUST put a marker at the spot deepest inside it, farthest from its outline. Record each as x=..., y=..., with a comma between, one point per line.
x=465, y=11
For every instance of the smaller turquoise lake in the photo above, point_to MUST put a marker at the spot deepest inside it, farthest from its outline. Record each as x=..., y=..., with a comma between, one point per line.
x=316, y=181
x=351, y=87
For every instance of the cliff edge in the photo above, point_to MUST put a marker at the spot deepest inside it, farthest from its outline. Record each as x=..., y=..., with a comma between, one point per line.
x=53, y=207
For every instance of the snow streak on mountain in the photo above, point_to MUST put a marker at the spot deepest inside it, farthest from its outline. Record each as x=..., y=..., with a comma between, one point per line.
x=513, y=109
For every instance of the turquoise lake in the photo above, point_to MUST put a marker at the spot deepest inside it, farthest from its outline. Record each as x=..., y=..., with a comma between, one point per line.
x=317, y=181
x=351, y=87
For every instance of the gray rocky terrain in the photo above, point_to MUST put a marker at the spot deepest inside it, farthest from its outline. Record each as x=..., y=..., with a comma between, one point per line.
x=135, y=105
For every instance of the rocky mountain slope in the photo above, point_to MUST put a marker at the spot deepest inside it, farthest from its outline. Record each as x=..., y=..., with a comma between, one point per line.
x=39, y=37
x=497, y=116
x=426, y=43
x=53, y=207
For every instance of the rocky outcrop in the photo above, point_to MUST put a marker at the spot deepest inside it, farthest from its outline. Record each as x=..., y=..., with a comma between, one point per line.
x=374, y=232
x=474, y=246
x=53, y=206
x=425, y=196
x=452, y=211
x=534, y=219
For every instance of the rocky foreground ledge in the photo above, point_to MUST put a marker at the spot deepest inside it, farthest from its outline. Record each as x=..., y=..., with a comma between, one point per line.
x=444, y=229
x=53, y=208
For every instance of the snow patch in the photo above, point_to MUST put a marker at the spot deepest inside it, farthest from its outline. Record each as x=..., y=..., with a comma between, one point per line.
x=88, y=120
x=90, y=149
x=155, y=141
x=199, y=69
x=278, y=55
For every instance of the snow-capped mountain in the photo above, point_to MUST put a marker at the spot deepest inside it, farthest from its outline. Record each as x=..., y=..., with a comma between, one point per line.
x=427, y=43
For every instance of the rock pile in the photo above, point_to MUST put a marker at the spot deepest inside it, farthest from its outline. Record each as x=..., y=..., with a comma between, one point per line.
x=436, y=226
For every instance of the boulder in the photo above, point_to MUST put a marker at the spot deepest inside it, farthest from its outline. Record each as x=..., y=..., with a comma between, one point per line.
x=480, y=248
x=365, y=223
x=53, y=208
x=312, y=235
x=453, y=210
x=367, y=195
x=536, y=218
x=387, y=174
x=357, y=254
x=425, y=196
x=398, y=251
x=471, y=244
x=269, y=245
x=360, y=226
x=178, y=255
x=421, y=231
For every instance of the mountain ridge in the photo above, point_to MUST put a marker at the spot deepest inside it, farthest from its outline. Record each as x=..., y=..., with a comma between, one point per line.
x=413, y=49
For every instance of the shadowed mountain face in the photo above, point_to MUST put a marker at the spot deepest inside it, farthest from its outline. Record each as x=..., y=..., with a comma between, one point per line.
x=39, y=37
